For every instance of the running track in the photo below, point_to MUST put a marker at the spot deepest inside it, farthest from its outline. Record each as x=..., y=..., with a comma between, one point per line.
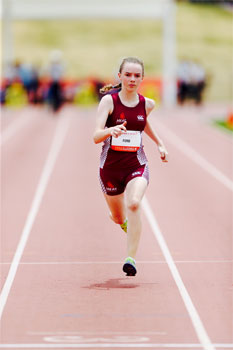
x=61, y=256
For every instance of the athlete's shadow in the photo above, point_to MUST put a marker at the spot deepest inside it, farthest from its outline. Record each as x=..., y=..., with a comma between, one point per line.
x=114, y=283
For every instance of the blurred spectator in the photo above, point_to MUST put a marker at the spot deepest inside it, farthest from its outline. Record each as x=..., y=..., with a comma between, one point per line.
x=55, y=72
x=12, y=88
x=10, y=73
x=28, y=75
x=191, y=82
x=34, y=84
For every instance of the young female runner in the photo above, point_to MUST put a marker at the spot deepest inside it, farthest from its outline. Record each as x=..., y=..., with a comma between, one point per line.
x=124, y=174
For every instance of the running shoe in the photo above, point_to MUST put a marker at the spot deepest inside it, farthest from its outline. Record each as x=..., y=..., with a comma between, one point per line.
x=124, y=225
x=129, y=267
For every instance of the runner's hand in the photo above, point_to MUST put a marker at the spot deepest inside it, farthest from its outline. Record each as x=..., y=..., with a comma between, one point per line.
x=117, y=130
x=163, y=153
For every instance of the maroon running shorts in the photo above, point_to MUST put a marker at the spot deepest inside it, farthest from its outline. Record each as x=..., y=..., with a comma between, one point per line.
x=114, y=182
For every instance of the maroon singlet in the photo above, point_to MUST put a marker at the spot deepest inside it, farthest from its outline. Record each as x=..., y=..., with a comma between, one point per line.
x=136, y=120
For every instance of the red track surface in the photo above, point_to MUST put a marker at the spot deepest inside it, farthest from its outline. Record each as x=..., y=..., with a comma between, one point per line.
x=68, y=289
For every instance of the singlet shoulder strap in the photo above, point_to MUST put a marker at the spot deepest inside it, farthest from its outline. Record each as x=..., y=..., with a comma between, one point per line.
x=142, y=101
x=115, y=97
x=141, y=98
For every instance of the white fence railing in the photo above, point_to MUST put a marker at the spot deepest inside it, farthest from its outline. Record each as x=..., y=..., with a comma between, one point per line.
x=41, y=9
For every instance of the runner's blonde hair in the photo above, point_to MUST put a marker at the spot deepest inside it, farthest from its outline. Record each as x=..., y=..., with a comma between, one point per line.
x=110, y=87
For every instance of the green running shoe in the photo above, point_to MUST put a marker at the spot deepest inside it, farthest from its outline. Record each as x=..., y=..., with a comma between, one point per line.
x=129, y=267
x=124, y=225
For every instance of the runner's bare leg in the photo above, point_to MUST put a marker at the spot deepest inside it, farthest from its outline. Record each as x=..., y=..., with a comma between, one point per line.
x=135, y=190
x=117, y=208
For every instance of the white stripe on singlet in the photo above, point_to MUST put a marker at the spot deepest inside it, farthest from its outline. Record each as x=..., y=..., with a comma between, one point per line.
x=104, y=152
x=141, y=154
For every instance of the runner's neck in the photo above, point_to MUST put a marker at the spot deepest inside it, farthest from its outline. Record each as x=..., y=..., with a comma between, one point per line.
x=129, y=99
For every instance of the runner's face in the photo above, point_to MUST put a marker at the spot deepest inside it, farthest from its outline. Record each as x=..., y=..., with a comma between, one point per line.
x=131, y=76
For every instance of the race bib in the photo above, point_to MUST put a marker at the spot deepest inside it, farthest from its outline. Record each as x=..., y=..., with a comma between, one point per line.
x=130, y=141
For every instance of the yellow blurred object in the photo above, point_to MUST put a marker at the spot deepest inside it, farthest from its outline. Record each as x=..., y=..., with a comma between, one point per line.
x=86, y=94
x=16, y=96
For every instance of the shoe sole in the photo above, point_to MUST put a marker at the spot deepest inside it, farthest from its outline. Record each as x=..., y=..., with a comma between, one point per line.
x=129, y=269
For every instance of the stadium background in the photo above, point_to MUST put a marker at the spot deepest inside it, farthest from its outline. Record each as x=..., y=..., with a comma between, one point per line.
x=91, y=50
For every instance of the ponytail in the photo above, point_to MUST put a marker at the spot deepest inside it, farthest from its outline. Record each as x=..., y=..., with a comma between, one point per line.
x=109, y=87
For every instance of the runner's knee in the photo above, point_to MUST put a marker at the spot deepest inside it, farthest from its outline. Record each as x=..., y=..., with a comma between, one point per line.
x=133, y=204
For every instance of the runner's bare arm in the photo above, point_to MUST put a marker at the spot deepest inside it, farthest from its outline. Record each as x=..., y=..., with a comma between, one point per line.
x=101, y=133
x=150, y=104
x=149, y=130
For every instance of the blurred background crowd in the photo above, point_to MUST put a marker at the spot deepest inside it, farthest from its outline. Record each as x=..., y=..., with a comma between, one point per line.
x=25, y=83
x=50, y=82
x=30, y=84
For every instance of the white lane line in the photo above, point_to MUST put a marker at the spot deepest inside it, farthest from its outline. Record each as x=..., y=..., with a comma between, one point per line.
x=111, y=346
x=195, y=156
x=97, y=333
x=14, y=127
x=59, y=137
x=193, y=314
x=120, y=262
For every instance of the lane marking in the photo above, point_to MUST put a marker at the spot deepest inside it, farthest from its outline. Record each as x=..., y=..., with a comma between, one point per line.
x=99, y=339
x=120, y=262
x=13, y=128
x=193, y=314
x=57, y=142
x=111, y=346
x=184, y=148
x=97, y=333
